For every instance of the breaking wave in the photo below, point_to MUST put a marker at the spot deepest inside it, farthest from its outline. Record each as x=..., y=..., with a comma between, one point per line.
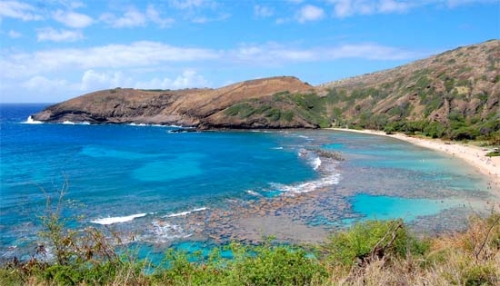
x=186, y=212
x=30, y=120
x=118, y=219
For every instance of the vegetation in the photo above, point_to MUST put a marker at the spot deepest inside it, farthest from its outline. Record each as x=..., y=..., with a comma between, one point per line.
x=369, y=253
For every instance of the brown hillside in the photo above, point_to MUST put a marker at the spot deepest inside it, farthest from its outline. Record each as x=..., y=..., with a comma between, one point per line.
x=463, y=82
x=188, y=107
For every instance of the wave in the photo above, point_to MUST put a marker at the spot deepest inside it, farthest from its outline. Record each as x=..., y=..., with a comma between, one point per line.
x=309, y=186
x=186, y=212
x=30, y=120
x=67, y=122
x=254, y=193
x=168, y=231
x=159, y=125
x=277, y=148
x=118, y=219
x=316, y=163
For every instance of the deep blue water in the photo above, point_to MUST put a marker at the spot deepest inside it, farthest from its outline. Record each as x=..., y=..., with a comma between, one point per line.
x=117, y=171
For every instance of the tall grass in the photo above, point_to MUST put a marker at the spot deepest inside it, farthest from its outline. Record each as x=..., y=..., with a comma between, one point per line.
x=369, y=253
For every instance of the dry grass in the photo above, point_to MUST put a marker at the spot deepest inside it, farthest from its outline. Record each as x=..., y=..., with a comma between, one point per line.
x=469, y=258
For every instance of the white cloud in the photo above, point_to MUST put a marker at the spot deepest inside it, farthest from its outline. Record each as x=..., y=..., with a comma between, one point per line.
x=92, y=80
x=137, y=54
x=50, y=34
x=73, y=19
x=263, y=11
x=310, y=13
x=346, y=8
x=18, y=10
x=155, y=17
x=40, y=83
x=135, y=18
x=274, y=54
x=14, y=34
x=188, y=79
x=203, y=19
x=454, y=3
x=131, y=18
x=190, y=4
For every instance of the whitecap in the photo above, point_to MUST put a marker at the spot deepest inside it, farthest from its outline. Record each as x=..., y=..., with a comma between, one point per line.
x=118, y=219
x=309, y=186
x=168, y=231
x=277, y=148
x=186, y=212
x=69, y=122
x=253, y=193
x=30, y=120
x=316, y=163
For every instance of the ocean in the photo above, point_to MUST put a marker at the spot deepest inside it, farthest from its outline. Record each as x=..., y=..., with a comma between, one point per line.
x=163, y=189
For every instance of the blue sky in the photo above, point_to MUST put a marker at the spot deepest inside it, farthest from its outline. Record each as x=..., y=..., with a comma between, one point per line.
x=53, y=50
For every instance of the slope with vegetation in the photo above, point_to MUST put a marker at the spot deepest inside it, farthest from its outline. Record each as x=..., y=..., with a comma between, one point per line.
x=453, y=95
x=370, y=253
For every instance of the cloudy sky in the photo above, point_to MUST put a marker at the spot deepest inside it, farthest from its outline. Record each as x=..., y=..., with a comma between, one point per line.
x=53, y=50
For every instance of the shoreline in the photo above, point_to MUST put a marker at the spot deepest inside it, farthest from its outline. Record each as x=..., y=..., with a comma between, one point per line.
x=474, y=156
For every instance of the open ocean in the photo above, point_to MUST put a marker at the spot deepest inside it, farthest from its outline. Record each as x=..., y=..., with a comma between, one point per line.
x=149, y=181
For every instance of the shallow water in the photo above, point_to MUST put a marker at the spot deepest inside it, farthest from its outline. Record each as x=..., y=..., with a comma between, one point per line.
x=174, y=187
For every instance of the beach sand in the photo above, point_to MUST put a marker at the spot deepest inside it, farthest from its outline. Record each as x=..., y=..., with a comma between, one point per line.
x=472, y=155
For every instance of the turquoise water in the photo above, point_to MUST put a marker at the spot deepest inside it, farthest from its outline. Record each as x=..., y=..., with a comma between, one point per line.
x=147, y=180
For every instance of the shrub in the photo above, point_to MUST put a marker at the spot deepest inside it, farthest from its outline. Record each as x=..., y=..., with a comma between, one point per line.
x=378, y=238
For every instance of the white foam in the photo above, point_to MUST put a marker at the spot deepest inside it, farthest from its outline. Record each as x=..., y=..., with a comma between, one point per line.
x=186, y=212
x=167, y=231
x=69, y=122
x=30, y=120
x=310, y=186
x=253, y=193
x=118, y=219
x=316, y=163
x=277, y=148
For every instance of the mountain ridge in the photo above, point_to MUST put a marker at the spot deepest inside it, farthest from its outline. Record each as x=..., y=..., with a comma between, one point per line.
x=455, y=90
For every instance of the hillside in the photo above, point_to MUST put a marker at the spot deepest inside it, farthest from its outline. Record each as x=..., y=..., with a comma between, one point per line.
x=453, y=90
x=203, y=108
x=455, y=94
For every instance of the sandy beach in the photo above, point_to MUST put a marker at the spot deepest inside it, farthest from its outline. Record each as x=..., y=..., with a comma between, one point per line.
x=473, y=155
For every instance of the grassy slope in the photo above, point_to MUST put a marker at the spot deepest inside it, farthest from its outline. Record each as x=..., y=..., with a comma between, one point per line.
x=372, y=253
x=453, y=95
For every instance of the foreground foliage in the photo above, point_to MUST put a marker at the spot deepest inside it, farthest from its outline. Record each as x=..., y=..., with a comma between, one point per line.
x=369, y=253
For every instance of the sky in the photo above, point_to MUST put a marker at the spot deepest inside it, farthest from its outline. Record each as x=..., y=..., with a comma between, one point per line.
x=54, y=50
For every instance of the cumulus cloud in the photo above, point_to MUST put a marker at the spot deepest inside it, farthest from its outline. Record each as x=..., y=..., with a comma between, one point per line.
x=310, y=13
x=188, y=79
x=94, y=80
x=50, y=34
x=18, y=10
x=14, y=34
x=137, y=54
x=135, y=18
x=72, y=19
x=263, y=11
x=191, y=4
x=274, y=54
x=155, y=17
x=131, y=18
x=346, y=8
x=40, y=83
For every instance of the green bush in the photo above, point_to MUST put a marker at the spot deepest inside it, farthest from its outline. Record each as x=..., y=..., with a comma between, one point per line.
x=356, y=243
